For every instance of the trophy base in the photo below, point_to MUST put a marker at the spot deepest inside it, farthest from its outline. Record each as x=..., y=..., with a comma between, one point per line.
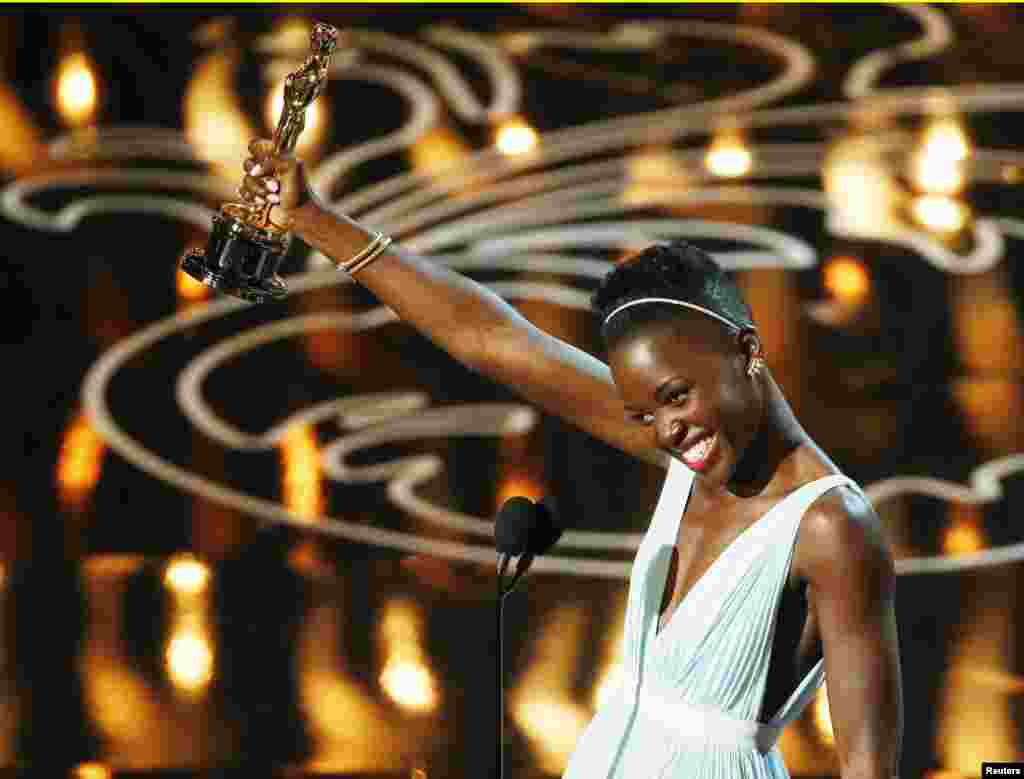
x=194, y=264
x=240, y=259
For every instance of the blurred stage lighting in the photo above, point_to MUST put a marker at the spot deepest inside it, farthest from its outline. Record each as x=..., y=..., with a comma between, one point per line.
x=77, y=89
x=822, y=718
x=190, y=660
x=847, y=280
x=185, y=575
x=729, y=156
x=514, y=137
x=940, y=213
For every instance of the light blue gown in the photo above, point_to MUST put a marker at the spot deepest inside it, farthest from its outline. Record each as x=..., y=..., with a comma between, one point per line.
x=690, y=695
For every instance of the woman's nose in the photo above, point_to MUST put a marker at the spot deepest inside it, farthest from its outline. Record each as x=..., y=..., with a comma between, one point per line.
x=670, y=430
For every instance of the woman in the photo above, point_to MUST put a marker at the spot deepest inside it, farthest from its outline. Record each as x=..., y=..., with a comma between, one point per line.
x=775, y=559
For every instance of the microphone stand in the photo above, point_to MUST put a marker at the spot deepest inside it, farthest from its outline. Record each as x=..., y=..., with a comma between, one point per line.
x=501, y=669
x=503, y=592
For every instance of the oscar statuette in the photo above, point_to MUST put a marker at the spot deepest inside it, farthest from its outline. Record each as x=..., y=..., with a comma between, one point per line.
x=245, y=248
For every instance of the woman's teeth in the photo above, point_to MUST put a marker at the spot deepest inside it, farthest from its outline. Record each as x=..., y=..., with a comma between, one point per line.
x=699, y=451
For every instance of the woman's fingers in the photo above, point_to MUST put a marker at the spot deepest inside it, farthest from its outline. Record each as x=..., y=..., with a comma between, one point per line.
x=266, y=161
x=261, y=189
x=264, y=173
x=261, y=148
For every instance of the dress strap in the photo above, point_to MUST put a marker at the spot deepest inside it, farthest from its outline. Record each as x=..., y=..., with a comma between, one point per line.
x=808, y=686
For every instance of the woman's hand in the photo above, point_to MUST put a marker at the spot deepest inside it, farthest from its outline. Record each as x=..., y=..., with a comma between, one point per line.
x=274, y=179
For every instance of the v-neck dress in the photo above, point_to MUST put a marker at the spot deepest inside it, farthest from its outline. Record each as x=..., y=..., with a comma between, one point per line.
x=688, y=699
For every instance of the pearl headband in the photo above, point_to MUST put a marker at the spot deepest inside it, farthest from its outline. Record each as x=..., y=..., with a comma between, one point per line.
x=727, y=322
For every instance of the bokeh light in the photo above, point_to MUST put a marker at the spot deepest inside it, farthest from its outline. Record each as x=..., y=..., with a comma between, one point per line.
x=77, y=89
x=822, y=718
x=514, y=136
x=185, y=575
x=729, y=156
x=937, y=167
x=847, y=280
x=91, y=771
x=301, y=479
x=80, y=462
x=405, y=677
x=189, y=658
x=940, y=213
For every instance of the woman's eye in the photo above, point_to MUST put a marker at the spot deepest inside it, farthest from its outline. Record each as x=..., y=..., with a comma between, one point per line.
x=643, y=419
x=678, y=396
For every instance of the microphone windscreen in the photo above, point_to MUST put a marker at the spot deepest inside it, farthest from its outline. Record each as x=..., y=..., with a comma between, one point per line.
x=547, y=530
x=515, y=524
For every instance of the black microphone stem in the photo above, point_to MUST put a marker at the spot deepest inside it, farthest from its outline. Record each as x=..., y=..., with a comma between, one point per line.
x=501, y=676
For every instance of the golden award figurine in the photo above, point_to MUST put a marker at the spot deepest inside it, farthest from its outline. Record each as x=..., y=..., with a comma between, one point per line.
x=245, y=247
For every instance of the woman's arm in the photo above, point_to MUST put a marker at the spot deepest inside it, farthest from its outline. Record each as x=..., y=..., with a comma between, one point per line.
x=467, y=320
x=851, y=582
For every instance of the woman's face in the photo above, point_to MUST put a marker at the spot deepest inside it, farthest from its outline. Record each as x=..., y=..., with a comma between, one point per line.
x=688, y=382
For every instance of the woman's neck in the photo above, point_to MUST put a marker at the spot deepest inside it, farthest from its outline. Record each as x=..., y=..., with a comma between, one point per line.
x=766, y=464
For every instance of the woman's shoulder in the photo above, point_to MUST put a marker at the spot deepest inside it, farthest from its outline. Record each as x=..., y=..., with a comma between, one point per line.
x=839, y=523
x=844, y=499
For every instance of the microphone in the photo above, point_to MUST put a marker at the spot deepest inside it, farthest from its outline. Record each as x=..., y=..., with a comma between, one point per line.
x=512, y=529
x=524, y=529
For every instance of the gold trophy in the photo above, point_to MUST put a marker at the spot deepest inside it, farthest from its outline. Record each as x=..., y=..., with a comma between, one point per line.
x=245, y=248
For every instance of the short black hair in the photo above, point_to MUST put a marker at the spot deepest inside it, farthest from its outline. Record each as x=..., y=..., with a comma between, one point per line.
x=677, y=270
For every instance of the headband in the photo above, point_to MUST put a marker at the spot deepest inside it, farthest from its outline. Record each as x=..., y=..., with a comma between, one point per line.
x=727, y=322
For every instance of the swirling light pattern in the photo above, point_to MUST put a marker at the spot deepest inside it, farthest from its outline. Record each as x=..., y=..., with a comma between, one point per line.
x=574, y=194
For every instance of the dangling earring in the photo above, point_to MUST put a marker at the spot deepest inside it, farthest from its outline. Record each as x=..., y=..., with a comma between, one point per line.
x=756, y=364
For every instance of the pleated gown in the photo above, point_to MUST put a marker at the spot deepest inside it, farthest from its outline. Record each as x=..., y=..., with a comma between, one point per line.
x=689, y=697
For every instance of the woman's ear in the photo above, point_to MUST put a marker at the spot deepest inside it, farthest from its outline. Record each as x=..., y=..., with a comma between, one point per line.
x=750, y=343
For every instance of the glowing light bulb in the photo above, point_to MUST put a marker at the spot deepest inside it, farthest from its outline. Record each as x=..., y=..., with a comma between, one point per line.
x=186, y=575
x=76, y=89
x=92, y=771
x=438, y=151
x=301, y=479
x=964, y=534
x=729, y=156
x=514, y=136
x=189, y=659
x=936, y=175
x=409, y=683
x=938, y=165
x=962, y=539
x=863, y=193
x=80, y=462
x=946, y=139
x=940, y=213
x=405, y=677
x=847, y=280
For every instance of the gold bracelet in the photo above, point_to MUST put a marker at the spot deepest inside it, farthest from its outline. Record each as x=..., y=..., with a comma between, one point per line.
x=359, y=256
x=366, y=255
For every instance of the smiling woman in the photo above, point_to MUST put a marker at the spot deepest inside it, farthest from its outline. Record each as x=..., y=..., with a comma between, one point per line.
x=686, y=360
x=678, y=293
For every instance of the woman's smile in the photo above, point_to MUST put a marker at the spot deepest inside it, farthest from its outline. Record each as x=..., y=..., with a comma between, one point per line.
x=701, y=452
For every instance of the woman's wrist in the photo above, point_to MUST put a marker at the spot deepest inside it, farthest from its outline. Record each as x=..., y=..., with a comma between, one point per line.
x=351, y=245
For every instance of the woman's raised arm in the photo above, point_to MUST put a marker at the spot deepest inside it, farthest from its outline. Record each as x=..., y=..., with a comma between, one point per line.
x=463, y=317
